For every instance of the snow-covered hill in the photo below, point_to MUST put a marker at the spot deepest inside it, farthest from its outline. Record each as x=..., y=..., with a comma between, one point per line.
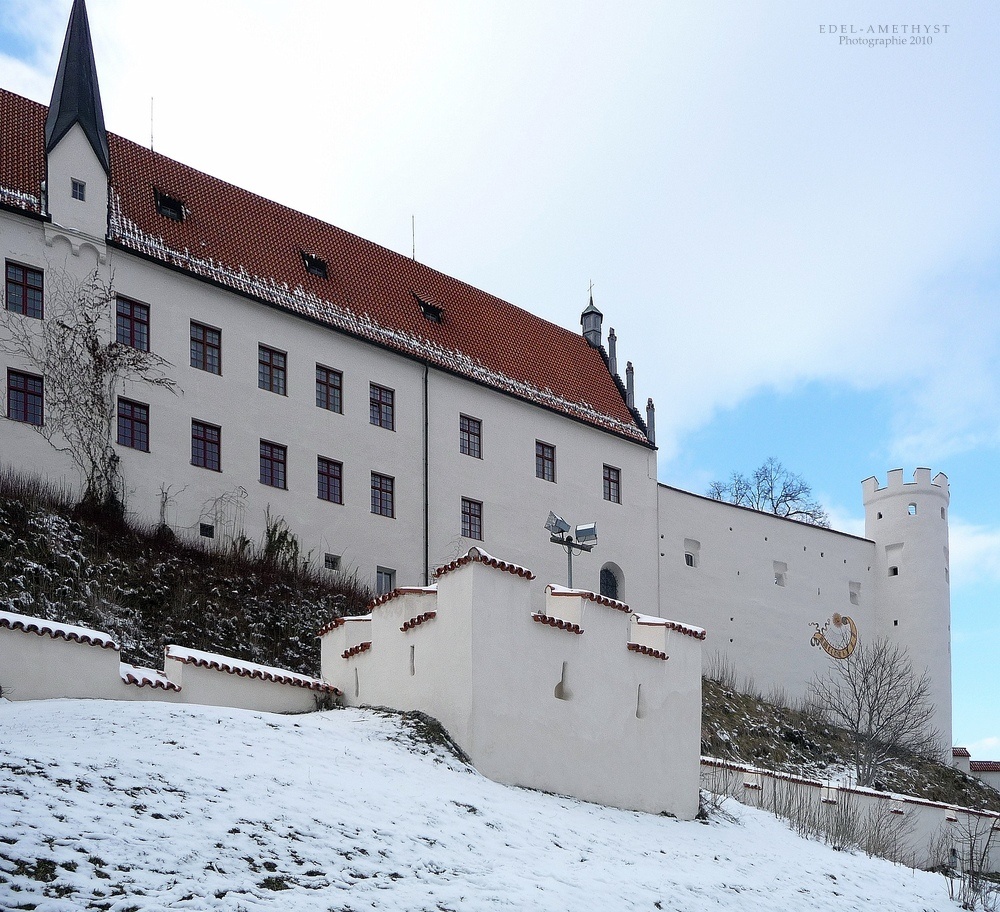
x=133, y=806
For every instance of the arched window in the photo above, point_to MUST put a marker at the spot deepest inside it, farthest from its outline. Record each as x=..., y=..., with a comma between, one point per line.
x=611, y=578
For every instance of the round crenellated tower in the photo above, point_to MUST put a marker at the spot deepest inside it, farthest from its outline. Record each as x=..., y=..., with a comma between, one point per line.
x=908, y=521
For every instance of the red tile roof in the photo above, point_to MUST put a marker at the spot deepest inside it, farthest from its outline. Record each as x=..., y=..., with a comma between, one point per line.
x=254, y=246
x=478, y=555
x=960, y=752
x=985, y=766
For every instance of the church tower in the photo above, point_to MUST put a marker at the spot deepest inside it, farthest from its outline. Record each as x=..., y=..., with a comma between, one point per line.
x=78, y=163
x=908, y=521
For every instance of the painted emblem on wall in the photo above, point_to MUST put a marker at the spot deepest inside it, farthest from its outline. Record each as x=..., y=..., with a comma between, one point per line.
x=848, y=639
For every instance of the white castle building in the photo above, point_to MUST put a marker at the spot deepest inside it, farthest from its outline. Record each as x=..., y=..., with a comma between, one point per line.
x=395, y=417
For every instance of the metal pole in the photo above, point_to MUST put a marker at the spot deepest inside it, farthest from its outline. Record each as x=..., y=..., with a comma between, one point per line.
x=569, y=566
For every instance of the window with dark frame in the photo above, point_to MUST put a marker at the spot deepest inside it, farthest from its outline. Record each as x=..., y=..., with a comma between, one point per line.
x=133, y=425
x=383, y=495
x=168, y=206
x=314, y=265
x=545, y=461
x=329, y=389
x=385, y=580
x=79, y=189
x=472, y=519
x=612, y=484
x=329, y=480
x=273, y=457
x=382, y=401
x=132, y=324
x=206, y=348
x=206, y=445
x=609, y=583
x=25, y=398
x=271, y=370
x=25, y=290
x=470, y=436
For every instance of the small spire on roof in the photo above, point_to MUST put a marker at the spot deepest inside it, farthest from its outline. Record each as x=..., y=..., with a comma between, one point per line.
x=591, y=320
x=76, y=97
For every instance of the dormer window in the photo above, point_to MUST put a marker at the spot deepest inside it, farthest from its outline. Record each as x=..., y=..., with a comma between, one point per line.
x=314, y=265
x=433, y=312
x=168, y=206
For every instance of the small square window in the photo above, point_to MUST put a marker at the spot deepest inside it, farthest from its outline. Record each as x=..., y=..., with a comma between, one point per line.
x=133, y=425
x=383, y=495
x=612, y=484
x=382, y=401
x=206, y=446
x=206, y=530
x=545, y=461
x=470, y=436
x=331, y=562
x=271, y=370
x=25, y=398
x=329, y=474
x=385, y=580
x=273, y=457
x=206, y=348
x=314, y=265
x=329, y=389
x=79, y=189
x=132, y=324
x=24, y=290
x=472, y=519
x=168, y=206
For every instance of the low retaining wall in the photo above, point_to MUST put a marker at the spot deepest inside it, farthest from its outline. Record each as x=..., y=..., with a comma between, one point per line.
x=912, y=831
x=41, y=660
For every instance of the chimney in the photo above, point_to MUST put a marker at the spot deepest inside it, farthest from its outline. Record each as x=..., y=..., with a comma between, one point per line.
x=591, y=320
x=613, y=352
x=630, y=385
x=650, y=421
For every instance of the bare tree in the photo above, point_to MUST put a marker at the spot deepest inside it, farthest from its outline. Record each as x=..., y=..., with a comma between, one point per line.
x=771, y=488
x=84, y=368
x=875, y=695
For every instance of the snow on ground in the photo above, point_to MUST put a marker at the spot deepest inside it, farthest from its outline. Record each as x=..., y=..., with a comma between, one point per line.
x=146, y=806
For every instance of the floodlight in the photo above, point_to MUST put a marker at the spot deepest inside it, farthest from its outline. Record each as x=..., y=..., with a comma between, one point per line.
x=556, y=524
x=587, y=533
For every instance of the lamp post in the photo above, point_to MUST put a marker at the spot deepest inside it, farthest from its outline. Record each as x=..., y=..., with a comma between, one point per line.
x=584, y=539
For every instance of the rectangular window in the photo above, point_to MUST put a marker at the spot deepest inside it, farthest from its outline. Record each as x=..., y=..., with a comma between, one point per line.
x=206, y=446
x=25, y=398
x=545, y=461
x=612, y=484
x=382, y=402
x=206, y=348
x=79, y=189
x=271, y=370
x=383, y=495
x=385, y=580
x=329, y=386
x=24, y=290
x=272, y=464
x=132, y=324
x=472, y=519
x=328, y=477
x=470, y=436
x=331, y=561
x=133, y=425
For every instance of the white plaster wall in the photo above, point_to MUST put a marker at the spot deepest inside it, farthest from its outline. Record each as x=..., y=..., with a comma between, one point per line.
x=73, y=158
x=516, y=503
x=34, y=667
x=915, y=605
x=923, y=828
x=211, y=687
x=488, y=672
x=761, y=630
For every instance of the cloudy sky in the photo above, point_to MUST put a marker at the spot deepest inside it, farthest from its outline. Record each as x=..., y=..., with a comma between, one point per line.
x=794, y=234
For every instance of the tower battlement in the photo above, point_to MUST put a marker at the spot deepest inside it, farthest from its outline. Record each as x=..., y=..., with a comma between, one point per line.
x=922, y=483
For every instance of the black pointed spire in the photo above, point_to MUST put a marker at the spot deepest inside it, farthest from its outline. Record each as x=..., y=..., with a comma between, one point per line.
x=76, y=97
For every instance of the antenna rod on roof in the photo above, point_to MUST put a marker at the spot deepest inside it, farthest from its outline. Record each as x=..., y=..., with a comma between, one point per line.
x=150, y=123
x=413, y=234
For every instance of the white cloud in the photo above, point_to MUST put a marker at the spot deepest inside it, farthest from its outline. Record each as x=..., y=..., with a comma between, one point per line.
x=975, y=553
x=984, y=749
